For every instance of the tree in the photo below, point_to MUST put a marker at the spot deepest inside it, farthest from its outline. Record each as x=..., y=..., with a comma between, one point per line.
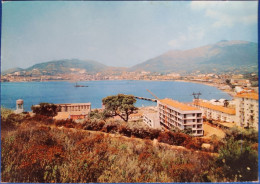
x=228, y=81
x=120, y=105
x=45, y=109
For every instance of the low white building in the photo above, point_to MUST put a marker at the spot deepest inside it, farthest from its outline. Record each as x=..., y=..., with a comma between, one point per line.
x=152, y=120
x=182, y=116
x=216, y=112
x=247, y=109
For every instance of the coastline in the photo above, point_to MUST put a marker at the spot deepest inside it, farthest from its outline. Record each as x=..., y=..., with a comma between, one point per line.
x=231, y=93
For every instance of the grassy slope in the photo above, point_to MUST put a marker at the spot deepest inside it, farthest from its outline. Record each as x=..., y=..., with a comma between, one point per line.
x=39, y=150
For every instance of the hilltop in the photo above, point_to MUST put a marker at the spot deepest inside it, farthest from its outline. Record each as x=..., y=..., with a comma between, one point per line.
x=68, y=66
x=12, y=70
x=64, y=66
x=220, y=57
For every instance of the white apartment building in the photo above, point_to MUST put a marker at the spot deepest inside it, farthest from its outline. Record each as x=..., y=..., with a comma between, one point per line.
x=215, y=112
x=247, y=109
x=152, y=120
x=175, y=114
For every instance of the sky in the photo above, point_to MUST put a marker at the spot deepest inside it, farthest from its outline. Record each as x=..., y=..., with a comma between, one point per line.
x=120, y=34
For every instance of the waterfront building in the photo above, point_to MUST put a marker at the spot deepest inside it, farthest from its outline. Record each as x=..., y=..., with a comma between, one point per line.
x=19, y=106
x=212, y=111
x=247, y=109
x=75, y=111
x=75, y=107
x=152, y=120
x=173, y=114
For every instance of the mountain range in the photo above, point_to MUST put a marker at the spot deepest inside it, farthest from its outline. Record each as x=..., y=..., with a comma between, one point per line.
x=224, y=56
x=221, y=57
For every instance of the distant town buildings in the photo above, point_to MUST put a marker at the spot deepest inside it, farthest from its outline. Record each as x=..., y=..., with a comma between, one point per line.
x=240, y=82
x=173, y=114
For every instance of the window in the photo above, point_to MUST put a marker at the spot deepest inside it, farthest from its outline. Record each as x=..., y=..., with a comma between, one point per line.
x=199, y=131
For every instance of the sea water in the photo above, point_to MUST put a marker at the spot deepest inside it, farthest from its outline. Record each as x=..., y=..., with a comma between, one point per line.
x=65, y=92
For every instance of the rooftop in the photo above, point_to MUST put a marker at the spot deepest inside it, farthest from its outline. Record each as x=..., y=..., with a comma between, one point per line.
x=217, y=107
x=247, y=95
x=178, y=105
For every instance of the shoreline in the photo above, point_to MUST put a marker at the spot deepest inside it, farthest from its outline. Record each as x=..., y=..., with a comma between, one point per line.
x=231, y=93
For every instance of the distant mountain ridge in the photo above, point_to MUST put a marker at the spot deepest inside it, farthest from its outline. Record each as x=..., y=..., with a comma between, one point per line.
x=63, y=66
x=12, y=70
x=67, y=65
x=222, y=56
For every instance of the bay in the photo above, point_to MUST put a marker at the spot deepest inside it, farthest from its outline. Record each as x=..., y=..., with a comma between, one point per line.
x=64, y=92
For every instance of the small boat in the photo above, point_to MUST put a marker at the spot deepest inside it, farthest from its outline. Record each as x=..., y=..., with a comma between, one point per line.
x=77, y=85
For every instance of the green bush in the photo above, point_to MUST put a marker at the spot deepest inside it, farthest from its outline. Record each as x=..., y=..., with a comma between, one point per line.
x=237, y=161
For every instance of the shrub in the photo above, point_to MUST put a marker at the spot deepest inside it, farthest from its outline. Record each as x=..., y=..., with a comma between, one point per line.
x=124, y=130
x=30, y=155
x=45, y=109
x=194, y=143
x=69, y=123
x=111, y=127
x=245, y=134
x=5, y=112
x=237, y=161
x=41, y=119
x=173, y=138
x=96, y=125
x=10, y=121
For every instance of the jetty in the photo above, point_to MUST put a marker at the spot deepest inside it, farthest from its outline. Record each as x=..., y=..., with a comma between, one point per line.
x=144, y=98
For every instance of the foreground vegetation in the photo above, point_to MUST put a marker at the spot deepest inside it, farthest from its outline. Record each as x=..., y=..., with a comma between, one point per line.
x=40, y=149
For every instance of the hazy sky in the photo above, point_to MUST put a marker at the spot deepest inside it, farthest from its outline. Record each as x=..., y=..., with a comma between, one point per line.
x=118, y=33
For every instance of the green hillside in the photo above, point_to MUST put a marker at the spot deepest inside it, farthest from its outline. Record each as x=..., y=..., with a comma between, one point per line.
x=221, y=57
x=68, y=65
x=12, y=70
